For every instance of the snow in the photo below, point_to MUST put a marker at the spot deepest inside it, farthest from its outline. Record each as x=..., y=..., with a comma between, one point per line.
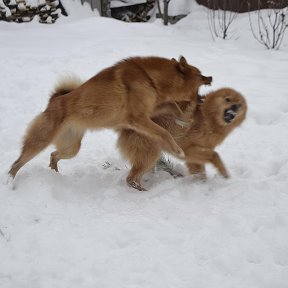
x=33, y=3
x=77, y=11
x=121, y=3
x=180, y=7
x=84, y=227
x=4, y=7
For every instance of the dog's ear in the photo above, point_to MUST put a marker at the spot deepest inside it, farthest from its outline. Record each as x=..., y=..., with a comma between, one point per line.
x=183, y=65
x=174, y=60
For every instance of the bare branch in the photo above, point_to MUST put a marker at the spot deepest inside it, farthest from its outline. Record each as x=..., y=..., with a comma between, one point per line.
x=159, y=8
x=272, y=24
x=220, y=20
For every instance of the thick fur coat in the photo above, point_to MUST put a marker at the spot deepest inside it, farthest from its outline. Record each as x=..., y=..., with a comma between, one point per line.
x=205, y=128
x=123, y=96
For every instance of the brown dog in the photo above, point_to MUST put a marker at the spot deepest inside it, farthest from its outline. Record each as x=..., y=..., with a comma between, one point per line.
x=125, y=95
x=220, y=113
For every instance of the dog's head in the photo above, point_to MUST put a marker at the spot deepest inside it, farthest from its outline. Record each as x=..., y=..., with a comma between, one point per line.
x=192, y=74
x=225, y=107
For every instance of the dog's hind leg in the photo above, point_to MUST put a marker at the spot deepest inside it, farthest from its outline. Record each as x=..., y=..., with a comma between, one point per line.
x=141, y=166
x=68, y=143
x=38, y=136
x=142, y=152
x=134, y=178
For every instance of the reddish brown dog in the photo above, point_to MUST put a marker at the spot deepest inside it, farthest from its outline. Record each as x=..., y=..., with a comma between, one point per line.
x=125, y=95
x=220, y=113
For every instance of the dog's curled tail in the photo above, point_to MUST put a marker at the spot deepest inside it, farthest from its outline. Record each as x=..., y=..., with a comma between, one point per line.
x=65, y=85
x=45, y=126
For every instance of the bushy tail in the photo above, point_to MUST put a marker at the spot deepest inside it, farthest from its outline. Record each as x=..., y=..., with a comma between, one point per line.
x=66, y=85
x=44, y=127
x=165, y=164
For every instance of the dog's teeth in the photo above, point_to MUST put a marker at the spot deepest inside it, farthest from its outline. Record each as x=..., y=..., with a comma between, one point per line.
x=229, y=115
x=232, y=112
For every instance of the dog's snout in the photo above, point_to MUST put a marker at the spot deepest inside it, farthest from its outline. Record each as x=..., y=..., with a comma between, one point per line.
x=207, y=80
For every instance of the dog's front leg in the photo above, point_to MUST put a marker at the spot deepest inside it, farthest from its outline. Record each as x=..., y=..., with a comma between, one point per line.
x=147, y=127
x=200, y=155
x=197, y=170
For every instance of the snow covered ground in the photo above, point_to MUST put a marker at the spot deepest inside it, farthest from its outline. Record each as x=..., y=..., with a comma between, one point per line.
x=84, y=227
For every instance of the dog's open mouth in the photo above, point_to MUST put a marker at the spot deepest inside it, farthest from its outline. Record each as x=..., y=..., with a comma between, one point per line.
x=200, y=99
x=231, y=112
x=207, y=80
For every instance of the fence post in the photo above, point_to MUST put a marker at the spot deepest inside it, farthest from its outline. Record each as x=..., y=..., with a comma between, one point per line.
x=106, y=8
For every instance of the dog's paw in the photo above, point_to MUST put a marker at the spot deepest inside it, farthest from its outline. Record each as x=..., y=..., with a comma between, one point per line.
x=180, y=153
x=135, y=185
x=8, y=181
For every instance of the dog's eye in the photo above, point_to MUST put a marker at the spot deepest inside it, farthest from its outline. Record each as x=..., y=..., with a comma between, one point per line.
x=227, y=99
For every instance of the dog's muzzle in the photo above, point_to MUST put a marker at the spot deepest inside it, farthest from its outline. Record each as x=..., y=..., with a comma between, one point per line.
x=207, y=80
x=231, y=112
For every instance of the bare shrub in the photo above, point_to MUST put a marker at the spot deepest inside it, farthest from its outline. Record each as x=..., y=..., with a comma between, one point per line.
x=271, y=24
x=220, y=20
x=164, y=15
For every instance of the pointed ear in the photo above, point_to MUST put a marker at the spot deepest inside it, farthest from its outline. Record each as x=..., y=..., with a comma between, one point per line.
x=183, y=64
x=174, y=60
x=182, y=60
